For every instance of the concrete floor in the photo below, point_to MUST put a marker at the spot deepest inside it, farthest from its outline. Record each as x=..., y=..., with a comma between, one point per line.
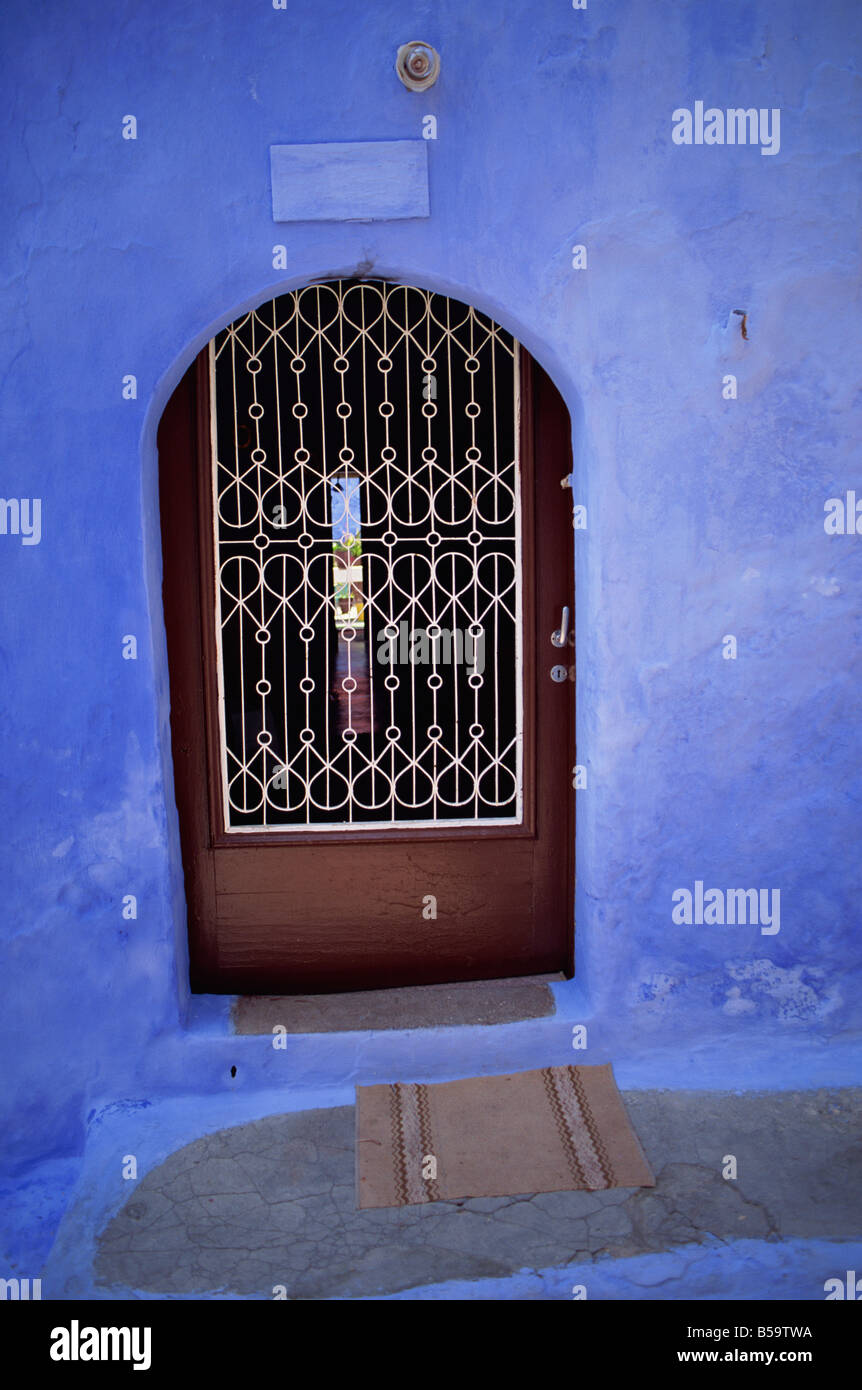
x=271, y=1203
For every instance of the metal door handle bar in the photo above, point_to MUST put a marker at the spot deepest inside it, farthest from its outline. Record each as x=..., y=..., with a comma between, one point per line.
x=559, y=637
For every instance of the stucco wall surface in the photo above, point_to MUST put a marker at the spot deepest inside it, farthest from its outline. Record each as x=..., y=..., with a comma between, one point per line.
x=705, y=515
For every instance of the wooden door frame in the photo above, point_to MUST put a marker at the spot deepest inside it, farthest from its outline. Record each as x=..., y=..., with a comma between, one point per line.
x=189, y=607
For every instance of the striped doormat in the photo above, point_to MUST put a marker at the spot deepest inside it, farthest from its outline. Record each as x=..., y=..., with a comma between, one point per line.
x=554, y=1130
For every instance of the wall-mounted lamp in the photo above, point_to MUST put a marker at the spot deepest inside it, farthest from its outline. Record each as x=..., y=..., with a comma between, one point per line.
x=418, y=65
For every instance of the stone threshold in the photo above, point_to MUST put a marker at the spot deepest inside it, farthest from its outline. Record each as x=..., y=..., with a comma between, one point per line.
x=474, y=1003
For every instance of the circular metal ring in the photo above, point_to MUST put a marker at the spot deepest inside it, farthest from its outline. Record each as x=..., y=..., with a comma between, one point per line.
x=418, y=65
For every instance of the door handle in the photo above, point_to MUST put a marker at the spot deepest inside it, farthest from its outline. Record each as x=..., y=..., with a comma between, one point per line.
x=559, y=638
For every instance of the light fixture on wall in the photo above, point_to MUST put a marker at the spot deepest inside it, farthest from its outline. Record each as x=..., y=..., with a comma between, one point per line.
x=418, y=65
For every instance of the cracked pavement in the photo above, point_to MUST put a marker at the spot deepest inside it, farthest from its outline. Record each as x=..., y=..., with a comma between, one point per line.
x=273, y=1202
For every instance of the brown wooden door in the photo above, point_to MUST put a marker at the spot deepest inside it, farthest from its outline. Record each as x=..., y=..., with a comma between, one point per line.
x=342, y=565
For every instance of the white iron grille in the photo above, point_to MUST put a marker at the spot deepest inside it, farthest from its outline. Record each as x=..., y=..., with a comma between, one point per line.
x=367, y=504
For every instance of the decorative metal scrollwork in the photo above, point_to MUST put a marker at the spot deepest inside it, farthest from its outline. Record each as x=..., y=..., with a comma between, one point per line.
x=368, y=562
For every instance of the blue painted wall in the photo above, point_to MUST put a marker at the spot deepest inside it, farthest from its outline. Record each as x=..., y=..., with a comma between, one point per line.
x=705, y=515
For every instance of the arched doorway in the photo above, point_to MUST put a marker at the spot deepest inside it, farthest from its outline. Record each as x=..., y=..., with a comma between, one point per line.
x=367, y=557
